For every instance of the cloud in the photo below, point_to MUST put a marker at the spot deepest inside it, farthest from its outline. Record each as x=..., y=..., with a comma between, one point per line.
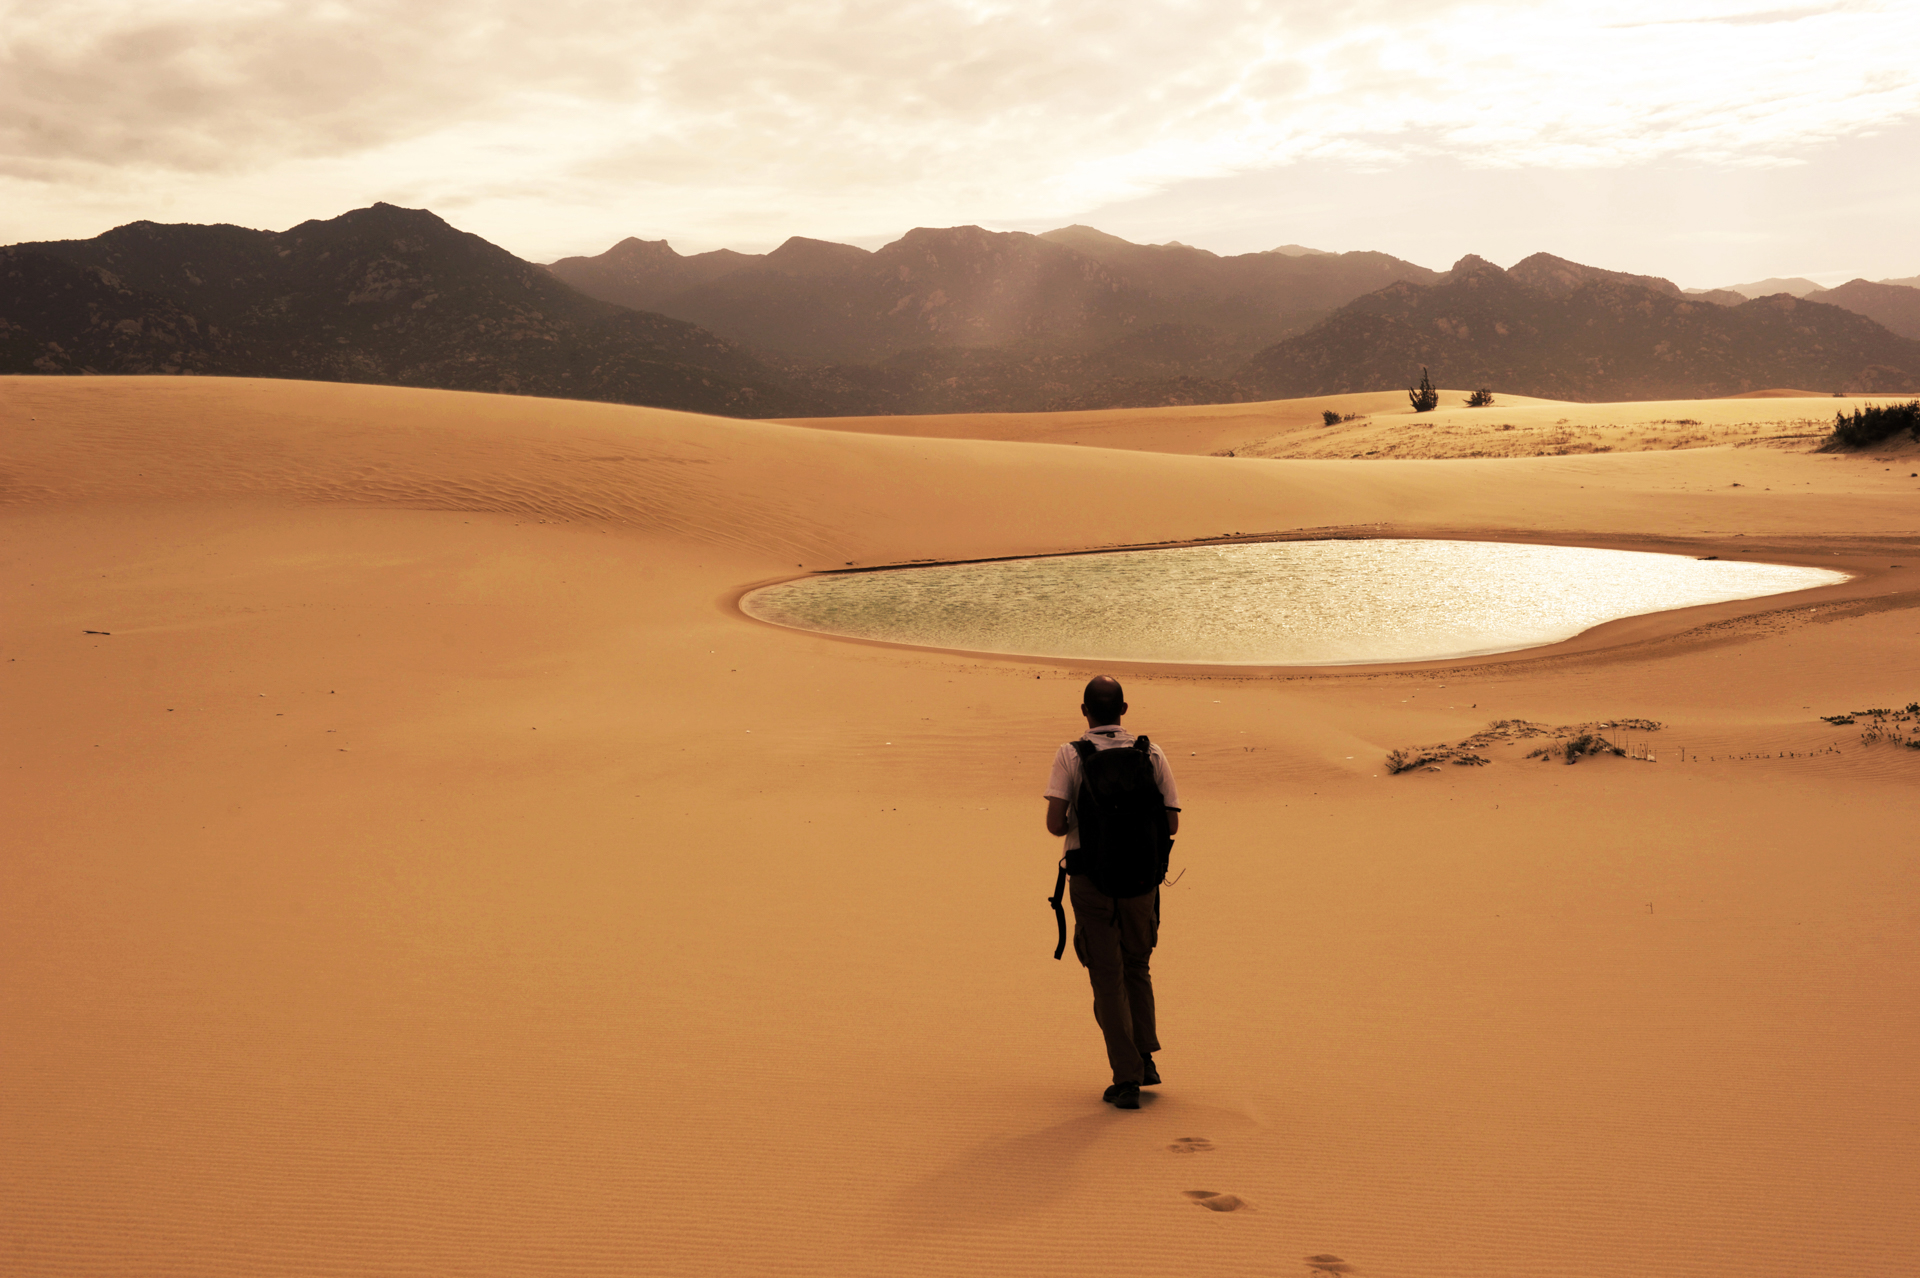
x=1750, y=18
x=749, y=118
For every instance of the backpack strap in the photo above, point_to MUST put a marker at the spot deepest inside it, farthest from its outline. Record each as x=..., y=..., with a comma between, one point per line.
x=1059, y=915
x=1143, y=745
x=1086, y=750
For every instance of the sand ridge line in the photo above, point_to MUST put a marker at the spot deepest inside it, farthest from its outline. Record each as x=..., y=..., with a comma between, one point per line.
x=1334, y=532
x=1381, y=425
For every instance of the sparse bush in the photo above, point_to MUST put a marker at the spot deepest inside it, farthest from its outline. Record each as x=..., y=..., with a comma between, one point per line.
x=1424, y=399
x=1330, y=417
x=1874, y=423
x=1480, y=398
x=1407, y=760
x=1590, y=743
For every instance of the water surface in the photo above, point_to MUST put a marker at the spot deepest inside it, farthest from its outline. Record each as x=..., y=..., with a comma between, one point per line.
x=1272, y=603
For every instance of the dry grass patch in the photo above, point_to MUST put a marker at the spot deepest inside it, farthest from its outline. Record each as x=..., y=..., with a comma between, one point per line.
x=1529, y=431
x=1571, y=742
x=1895, y=727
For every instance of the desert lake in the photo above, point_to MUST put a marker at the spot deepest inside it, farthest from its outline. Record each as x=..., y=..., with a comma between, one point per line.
x=1272, y=603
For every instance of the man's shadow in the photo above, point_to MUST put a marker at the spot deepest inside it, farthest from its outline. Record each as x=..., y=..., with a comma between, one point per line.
x=1004, y=1178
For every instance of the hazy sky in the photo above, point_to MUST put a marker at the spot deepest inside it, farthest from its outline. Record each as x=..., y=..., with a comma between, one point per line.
x=1710, y=141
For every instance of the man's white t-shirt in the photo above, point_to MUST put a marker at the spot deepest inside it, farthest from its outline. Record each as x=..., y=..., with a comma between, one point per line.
x=1064, y=781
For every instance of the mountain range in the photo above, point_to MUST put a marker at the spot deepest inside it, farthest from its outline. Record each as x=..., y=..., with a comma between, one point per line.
x=1565, y=331
x=1893, y=306
x=1071, y=290
x=382, y=294
x=1795, y=285
x=940, y=320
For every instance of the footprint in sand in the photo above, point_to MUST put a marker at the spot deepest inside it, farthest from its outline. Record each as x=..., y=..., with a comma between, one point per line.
x=1329, y=1265
x=1216, y=1202
x=1191, y=1145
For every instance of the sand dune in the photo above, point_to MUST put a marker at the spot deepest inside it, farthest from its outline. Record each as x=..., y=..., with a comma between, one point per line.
x=1203, y=428
x=1381, y=425
x=430, y=871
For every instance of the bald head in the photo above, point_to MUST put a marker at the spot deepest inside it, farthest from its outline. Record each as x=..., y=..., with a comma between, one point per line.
x=1103, y=702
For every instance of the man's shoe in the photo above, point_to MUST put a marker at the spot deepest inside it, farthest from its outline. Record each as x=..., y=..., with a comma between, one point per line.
x=1149, y=1076
x=1122, y=1096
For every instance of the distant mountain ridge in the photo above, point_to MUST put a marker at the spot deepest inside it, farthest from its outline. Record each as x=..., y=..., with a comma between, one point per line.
x=1557, y=277
x=644, y=273
x=949, y=319
x=1258, y=296
x=1719, y=296
x=382, y=295
x=1558, y=330
x=947, y=287
x=1795, y=286
x=1894, y=307
x=1073, y=290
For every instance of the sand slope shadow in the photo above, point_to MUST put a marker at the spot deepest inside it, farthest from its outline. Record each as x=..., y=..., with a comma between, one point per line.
x=1001, y=1179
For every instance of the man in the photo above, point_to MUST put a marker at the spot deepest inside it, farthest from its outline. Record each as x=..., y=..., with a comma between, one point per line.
x=1114, y=935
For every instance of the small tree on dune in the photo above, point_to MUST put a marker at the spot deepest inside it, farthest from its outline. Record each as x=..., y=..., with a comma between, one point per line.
x=1426, y=399
x=1872, y=424
x=1480, y=398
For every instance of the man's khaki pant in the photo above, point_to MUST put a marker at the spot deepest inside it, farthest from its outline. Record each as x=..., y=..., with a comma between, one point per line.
x=1115, y=941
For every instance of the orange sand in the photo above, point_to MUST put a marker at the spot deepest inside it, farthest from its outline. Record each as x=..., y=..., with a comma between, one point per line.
x=432, y=873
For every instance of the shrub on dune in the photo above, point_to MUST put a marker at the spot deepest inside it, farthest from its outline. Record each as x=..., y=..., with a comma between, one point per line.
x=1425, y=398
x=1399, y=761
x=1872, y=424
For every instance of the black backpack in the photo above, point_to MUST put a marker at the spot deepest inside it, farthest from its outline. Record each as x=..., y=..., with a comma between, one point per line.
x=1122, y=818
